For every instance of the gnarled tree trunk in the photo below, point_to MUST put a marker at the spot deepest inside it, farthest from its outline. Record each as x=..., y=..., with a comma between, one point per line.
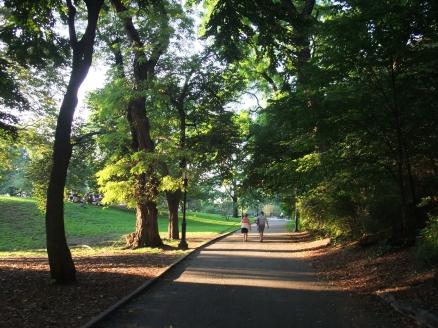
x=146, y=231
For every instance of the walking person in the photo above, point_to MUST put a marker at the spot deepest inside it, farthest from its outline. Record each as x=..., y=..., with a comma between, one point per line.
x=261, y=222
x=245, y=227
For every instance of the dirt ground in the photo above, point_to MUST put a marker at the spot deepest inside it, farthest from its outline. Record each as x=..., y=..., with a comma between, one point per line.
x=30, y=300
x=365, y=272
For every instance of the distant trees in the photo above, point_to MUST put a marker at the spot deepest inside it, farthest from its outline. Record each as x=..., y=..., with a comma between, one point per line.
x=197, y=90
x=14, y=181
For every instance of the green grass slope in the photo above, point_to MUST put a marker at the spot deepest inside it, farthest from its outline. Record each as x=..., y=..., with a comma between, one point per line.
x=22, y=225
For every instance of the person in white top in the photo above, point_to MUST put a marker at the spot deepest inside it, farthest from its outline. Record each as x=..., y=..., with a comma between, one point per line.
x=261, y=222
x=246, y=225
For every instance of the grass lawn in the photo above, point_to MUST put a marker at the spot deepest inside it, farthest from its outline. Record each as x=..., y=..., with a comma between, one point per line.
x=22, y=225
x=290, y=226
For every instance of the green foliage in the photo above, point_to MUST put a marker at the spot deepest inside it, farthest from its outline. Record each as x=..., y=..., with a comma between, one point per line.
x=237, y=26
x=427, y=253
x=270, y=209
x=226, y=208
x=171, y=184
x=350, y=209
x=117, y=183
x=6, y=152
x=30, y=45
x=353, y=137
x=211, y=209
x=15, y=182
x=38, y=172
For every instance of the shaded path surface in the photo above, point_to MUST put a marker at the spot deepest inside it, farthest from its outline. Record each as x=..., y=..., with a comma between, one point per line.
x=231, y=283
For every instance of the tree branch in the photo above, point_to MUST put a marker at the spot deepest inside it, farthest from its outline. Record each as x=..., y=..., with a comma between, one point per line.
x=71, y=23
x=80, y=139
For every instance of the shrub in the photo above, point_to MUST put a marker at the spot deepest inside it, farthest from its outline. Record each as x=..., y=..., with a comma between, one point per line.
x=211, y=209
x=194, y=205
x=427, y=253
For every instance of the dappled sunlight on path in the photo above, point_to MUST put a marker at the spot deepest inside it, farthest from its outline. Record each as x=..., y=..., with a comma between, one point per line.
x=226, y=262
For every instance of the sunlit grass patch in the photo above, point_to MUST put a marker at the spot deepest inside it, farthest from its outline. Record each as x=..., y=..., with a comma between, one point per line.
x=93, y=229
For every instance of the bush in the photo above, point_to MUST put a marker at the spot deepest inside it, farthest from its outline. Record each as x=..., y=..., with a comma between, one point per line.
x=330, y=210
x=427, y=253
x=211, y=209
x=194, y=205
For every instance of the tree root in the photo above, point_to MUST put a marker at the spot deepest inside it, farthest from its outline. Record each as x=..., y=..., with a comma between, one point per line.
x=131, y=241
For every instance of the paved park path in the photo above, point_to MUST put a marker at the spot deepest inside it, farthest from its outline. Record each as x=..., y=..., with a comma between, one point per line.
x=232, y=283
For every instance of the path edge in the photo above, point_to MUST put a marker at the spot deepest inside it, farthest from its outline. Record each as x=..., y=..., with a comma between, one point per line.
x=149, y=283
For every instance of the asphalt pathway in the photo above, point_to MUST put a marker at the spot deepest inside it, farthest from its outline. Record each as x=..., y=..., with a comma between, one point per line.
x=232, y=283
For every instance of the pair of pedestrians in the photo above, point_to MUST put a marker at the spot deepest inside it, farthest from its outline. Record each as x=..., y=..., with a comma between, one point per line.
x=261, y=221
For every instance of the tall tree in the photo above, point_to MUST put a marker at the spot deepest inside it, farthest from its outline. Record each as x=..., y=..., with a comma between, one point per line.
x=144, y=65
x=32, y=44
x=62, y=268
x=228, y=170
x=198, y=99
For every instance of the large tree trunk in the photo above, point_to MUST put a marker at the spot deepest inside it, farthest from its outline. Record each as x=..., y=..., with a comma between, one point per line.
x=146, y=231
x=61, y=264
x=173, y=199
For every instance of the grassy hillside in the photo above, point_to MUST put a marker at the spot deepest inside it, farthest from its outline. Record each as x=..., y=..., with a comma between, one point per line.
x=22, y=225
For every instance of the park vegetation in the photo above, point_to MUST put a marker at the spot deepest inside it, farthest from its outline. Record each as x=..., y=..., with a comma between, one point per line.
x=341, y=129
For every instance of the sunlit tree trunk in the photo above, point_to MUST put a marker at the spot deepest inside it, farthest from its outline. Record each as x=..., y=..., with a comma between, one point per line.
x=146, y=231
